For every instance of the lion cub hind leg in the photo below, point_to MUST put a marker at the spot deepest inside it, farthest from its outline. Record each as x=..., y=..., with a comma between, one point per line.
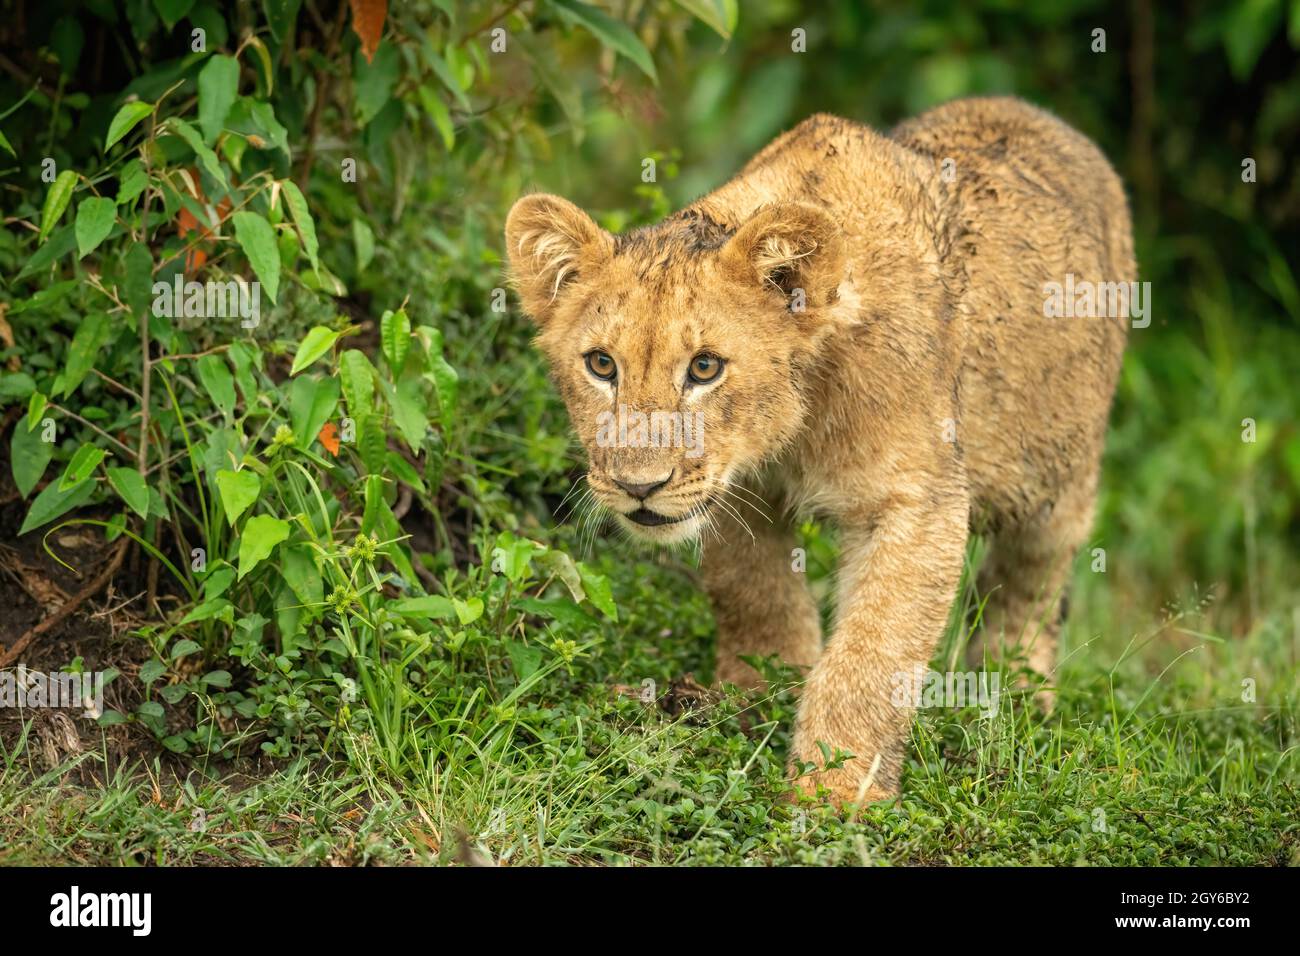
x=1025, y=578
x=760, y=601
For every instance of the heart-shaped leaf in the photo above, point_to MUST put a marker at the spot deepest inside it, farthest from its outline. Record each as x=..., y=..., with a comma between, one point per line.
x=238, y=490
x=261, y=534
x=95, y=218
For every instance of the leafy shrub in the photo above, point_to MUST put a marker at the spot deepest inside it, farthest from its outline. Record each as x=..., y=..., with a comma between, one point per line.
x=196, y=365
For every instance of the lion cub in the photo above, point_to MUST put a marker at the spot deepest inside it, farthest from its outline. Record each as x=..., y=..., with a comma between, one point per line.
x=854, y=326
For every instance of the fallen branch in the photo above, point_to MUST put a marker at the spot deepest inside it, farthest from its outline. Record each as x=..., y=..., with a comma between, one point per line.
x=65, y=609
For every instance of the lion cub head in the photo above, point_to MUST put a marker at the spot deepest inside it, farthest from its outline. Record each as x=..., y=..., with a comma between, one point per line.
x=682, y=350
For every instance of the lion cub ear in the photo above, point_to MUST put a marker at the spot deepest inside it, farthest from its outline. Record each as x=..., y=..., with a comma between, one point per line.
x=790, y=247
x=549, y=241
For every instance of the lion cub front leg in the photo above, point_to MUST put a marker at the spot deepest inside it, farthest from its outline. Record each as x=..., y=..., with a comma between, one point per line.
x=900, y=568
x=760, y=602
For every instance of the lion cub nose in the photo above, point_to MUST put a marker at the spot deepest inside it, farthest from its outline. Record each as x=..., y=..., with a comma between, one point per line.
x=642, y=490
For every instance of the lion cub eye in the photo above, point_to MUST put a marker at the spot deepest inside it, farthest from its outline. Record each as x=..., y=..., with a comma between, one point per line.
x=704, y=368
x=602, y=365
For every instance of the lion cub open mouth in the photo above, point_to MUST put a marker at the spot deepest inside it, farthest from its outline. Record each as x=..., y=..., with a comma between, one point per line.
x=862, y=320
x=652, y=519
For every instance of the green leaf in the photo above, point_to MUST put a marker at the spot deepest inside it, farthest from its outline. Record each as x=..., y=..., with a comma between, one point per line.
x=51, y=503
x=16, y=385
x=215, y=375
x=297, y=204
x=151, y=670
x=315, y=343
x=280, y=16
x=714, y=13
x=610, y=32
x=410, y=411
x=4, y=144
x=218, y=580
x=440, y=116
x=311, y=404
x=125, y=121
x=404, y=471
x=131, y=181
x=513, y=556
x=95, y=218
x=45, y=297
x=467, y=612
x=139, y=279
x=357, y=377
x=428, y=606
x=563, y=567
x=1247, y=29
x=61, y=242
x=84, y=462
x=172, y=11
x=299, y=569
x=151, y=708
x=374, y=503
x=131, y=488
x=83, y=353
x=445, y=74
x=116, y=525
x=218, y=89
x=238, y=490
x=28, y=454
x=261, y=534
x=374, y=81
x=56, y=201
x=363, y=239
x=217, y=678
x=35, y=409
x=243, y=356
x=207, y=158
x=561, y=609
x=598, y=592
x=182, y=648
x=524, y=658
x=372, y=443
x=447, y=385
x=395, y=337
x=208, y=610
x=256, y=237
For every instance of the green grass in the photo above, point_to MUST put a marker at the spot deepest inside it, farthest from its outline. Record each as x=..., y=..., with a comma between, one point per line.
x=1151, y=758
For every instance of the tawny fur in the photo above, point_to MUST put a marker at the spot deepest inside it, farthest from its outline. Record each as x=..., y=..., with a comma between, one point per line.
x=888, y=365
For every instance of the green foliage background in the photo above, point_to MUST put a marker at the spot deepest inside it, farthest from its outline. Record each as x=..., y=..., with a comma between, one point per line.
x=412, y=606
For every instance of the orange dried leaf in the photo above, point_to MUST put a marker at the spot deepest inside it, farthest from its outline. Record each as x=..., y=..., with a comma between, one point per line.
x=329, y=437
x=368, y=23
